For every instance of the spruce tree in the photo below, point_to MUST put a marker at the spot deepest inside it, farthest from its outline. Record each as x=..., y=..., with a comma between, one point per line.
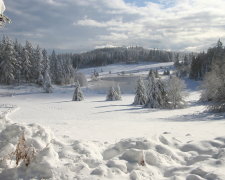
x=53, y=64
x=26, y=65
x=113, y=95
x=141, y=95
x=8, y=62
x=18, y=55
x=156, y=93
x=47, y=83
x=150, y=73
x=39, y=65
x=156, y=73
x=118, y=91
x=78, y=94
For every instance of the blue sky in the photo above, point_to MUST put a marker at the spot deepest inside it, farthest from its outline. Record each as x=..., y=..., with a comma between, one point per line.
x=78, y=25
x=137, y=2
x=142, y=3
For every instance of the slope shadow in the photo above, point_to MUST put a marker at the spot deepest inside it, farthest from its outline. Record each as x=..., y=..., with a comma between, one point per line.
x=114, y=105
x=99, y=101
x=58, y=102
x=203, y=116
x=119, y=110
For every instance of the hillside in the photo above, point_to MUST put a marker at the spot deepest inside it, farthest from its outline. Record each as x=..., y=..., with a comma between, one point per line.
x=98, y=139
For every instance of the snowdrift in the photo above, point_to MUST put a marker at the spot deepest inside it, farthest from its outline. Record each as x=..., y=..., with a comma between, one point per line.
x=161, y=157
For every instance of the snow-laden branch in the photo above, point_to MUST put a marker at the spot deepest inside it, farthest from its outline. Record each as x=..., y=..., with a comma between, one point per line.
x=3, y=18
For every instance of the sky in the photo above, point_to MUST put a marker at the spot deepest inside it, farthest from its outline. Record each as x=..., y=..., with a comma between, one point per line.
x=82, y=25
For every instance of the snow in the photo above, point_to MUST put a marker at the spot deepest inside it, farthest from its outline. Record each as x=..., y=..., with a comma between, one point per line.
x=135, y=69
x=99, y=139
x=2, y=6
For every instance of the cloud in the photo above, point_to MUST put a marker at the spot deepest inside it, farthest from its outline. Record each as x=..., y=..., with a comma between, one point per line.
x=83, y=25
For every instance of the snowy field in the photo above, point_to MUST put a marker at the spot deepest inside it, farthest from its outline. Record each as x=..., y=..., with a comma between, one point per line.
x=98, y=139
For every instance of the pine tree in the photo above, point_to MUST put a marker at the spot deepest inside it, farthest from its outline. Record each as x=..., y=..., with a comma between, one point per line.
x=163, y=98
x=214, y=86
x=152, y=93
x=18, y=55
x=45, y=61
x=53, y=66
x=31, y=57
x=47, y=85
x=156, y=73
x=59, y=76
x=8, y=62
x=141, y=96
x=26, y=65
x=78, y=94
x=150, y=73
x=39, y=65
x=156, y=93
x=113, y=95
x=118, y=91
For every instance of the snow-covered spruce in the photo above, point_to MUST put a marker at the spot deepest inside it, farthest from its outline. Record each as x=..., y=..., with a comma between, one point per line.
x=113, y=94
x=38, y=56
x=118, y=91
x=3, y=19
x=7, y=61
x=141, y=95
x=156, y=93
x=213, y=85
x=78, y=94
x=156, y=73
x=40, y=80
x=150, y=73
x=47, y=83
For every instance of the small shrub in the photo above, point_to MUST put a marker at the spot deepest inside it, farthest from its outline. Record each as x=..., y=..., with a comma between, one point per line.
x=23, y=152
x=81, y=78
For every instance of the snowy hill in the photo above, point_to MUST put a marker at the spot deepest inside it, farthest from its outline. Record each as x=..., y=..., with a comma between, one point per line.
x=98, y=139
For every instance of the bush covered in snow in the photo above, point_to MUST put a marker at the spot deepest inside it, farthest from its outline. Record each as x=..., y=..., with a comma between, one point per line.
x=114, y=94
x=78, y=94
x=3, y=18
x=47, y=83
x=175, y=90
x=214, y=89
x=81, y=78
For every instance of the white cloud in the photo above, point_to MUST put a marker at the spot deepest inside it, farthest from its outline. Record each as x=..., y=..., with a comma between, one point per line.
x=171, y=24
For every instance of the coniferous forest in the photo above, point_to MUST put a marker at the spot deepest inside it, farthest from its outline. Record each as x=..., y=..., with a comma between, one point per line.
x=30, y=64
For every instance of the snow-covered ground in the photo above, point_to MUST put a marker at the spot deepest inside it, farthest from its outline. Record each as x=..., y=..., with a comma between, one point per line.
x=98, y=139
x=135, y=69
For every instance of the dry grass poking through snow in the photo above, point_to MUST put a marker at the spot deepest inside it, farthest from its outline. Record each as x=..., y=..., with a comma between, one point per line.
x=23, y=152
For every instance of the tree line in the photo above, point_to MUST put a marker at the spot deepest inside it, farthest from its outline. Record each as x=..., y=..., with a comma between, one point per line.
x=27, y=64
x=128, y=55
x=209, y=67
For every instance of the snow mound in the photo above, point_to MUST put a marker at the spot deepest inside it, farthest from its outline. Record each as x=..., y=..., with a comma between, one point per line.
x=161, y=157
